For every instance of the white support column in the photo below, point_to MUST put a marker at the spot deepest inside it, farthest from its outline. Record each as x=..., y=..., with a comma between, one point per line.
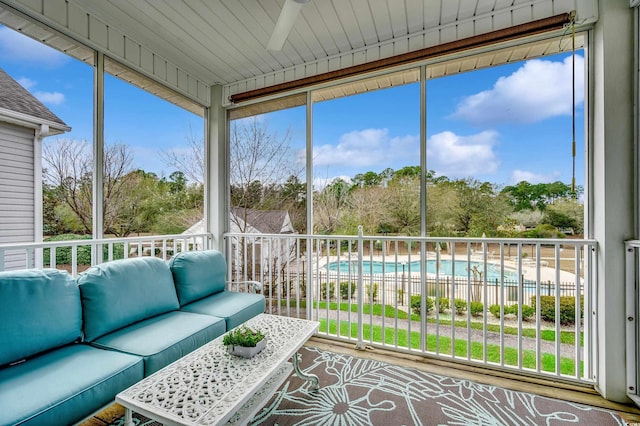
x=611, y=99
x=98, y=151
x=216, y=187
x=309, y=165
x=423, y=151
x=38, y=221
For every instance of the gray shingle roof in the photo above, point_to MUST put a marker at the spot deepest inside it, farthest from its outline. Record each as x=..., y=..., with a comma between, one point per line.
x=16, y=98
x=265, y=221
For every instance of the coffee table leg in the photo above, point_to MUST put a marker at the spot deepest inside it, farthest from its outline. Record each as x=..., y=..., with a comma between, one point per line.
x=308, y=377
x=128, y=417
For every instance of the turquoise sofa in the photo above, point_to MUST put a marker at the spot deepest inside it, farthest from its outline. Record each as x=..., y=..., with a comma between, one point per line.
x=67, y=347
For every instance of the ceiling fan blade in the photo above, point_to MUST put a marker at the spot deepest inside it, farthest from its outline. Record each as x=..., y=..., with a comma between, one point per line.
x=288, y=15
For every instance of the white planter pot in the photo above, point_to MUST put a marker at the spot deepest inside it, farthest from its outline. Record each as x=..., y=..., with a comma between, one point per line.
x=248, y=351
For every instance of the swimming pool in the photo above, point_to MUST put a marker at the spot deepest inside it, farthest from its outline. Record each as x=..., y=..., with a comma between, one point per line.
x=446, y=268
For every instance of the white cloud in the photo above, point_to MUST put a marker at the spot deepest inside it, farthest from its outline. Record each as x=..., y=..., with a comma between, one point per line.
x=50, y=98
x=461, y=156
x=367, y=148
x=531, y=177
x=18, y=48
x=538, y=90
x=25, y=82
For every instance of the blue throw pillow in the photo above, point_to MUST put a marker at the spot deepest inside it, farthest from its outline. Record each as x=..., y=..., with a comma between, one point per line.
x=39, y=310
x=198, y=274
x=119, y=293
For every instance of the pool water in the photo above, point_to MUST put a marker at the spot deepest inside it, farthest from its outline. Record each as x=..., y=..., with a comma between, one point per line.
x=446, y=268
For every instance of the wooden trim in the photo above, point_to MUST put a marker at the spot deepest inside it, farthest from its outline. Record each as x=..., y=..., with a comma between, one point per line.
x=281, y=103
x=522, y=30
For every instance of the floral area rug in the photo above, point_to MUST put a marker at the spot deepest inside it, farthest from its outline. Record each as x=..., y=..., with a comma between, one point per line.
x=358, y=391
x=355, y=391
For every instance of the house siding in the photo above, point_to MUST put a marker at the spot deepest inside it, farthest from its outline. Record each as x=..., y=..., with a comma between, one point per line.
x=16, y=190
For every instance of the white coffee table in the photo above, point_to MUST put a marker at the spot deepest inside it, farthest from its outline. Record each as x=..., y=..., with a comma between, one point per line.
x=210, y=386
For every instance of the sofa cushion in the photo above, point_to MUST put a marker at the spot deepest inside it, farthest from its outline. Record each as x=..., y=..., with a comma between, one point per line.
x=39, y=310
x=234, y=307
x=198, y=274
x=165, y=338
x=119, y=293
x=64, y=386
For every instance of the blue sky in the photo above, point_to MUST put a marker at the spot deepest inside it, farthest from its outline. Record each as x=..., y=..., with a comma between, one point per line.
x=134, y=117
x=501, y=124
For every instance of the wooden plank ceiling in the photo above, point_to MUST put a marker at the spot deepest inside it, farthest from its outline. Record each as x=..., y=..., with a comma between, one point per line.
x=223, y=42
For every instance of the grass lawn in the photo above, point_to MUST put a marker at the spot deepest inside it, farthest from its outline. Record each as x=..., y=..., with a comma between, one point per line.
x=567, y=337
x=443, y=345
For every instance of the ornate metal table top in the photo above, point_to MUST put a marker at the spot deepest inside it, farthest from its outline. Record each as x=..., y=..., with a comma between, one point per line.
x=208, y=385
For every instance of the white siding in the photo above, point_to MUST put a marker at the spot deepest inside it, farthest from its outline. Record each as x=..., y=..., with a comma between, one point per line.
x=16, y=190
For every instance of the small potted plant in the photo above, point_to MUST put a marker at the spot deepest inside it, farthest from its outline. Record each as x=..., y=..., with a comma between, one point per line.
x=244, y=341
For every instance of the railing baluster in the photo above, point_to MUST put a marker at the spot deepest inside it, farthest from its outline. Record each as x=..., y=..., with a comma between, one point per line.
x=485, y=300
x=452, y=298
x=538, y=323
x=501, y=302
x=557, y=308
x=360, y=344
x=74, y=261
x=29, y=255
x=520, y=284
x=578, y=312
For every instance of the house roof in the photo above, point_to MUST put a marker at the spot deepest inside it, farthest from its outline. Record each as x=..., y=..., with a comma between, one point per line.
x=264, y=221
x=17, y=101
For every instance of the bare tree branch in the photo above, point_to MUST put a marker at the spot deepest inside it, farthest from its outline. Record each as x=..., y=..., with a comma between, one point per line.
x=260, y=160
x=69, y=166
x=190, y=161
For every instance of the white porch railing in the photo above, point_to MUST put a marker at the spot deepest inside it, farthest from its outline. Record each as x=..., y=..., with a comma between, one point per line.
x=78, y=255
x=428, y=296
x=632, y=292
x=435, y=296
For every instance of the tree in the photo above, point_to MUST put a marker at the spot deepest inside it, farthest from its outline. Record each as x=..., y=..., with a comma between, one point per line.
x=117, y=189
x=329, y=206
x=407, y=171
x=190, y=162
x=527, y=218
x=142, y=206
x=177, y=182
x=401, y=209
x=366, y=208
x=442, y=200
x=128, y=196
x=363, y=180
x=67, y=168
x=294, y=197
x=478, y=208
x=260, y=164
x=527, y=196
x=53, y=224
x=566, y=213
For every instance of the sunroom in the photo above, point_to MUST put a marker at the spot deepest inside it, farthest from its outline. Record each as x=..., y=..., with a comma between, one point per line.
x=355, y=86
